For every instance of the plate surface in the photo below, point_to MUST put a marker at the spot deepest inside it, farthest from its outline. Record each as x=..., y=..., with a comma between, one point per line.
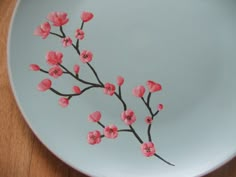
x=188, y=46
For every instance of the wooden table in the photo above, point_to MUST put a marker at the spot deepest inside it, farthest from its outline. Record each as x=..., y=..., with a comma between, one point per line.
x=21, y=153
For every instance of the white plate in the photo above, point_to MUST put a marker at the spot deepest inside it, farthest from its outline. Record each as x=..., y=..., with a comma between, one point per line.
x=188, y=46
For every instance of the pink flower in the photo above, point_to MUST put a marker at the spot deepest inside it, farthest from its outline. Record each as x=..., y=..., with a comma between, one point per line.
x=111, y=131
x=86, y=16
x=58, y=18
x=44, y=85
x=55, y=71
x=79, y=34
x=76, y=68
x=76, y=89
x=128, y=116
x=86, y=56
x=148, y=119
x=160, y=107
x=34, y=67
x=95, y=116
x=153, y=86
x=148, y=149
x=109, y=89
x=94, y=137
x=66, y=42
x=119, y=80
x=43, y=30
x=139, y=91
x=64, y=102
x=53, y=57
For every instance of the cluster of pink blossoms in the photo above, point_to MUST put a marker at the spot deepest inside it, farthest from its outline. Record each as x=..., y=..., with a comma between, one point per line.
x=59, y=19
x=54, y=60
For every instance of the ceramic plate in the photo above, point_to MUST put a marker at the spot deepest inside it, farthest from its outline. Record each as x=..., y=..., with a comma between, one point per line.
x=128, y=88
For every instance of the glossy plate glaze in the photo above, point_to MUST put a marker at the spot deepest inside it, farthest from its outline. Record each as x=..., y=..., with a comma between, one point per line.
x=169, y=113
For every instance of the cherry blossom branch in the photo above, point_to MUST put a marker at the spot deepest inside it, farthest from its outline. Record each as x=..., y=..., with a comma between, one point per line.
x=86, y=56
x=72, y=94
x=121, y=130
x=103, y=126
x=135, y=134
x=95, y=73
x=121, y=100
x=63, y=36
x=148, y=98
x=119, y=92
x=79, y=79
x=77, y=42
x=55, y=34
x=62, y=32
x=148, y=107
x=163, y=159
x=45, y=71
x=152, y=115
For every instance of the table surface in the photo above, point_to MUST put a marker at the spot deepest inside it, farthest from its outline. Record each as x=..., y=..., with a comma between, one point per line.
x=21, y=153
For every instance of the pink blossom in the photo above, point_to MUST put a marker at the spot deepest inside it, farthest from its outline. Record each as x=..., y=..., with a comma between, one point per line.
x=53, y=57
x=55, y=71
x=58, y=18
x=86, y=56
x=66, y=42
x=111, y=131
x=44, y=85
x=86, y=16
x=34, y=67
x=79, y=34
x=139, y=91
x=148, y=149
x=109, y=89
x=95, y=116
x=76, y=89
x=153, y=86
x=120, y=80
x=76, y=68
x=148, y=119
x=128, y=116
x=94, y=137
x=160, y=107
x=64, y=102
x=43, y=30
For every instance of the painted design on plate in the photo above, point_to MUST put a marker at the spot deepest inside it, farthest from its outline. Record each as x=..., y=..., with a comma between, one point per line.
x=128, y=116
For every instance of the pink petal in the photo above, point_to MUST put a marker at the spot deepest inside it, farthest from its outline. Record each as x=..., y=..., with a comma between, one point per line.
x=44, y=85
x=139, y=91
x=86, y=16
x=95, y=116
x=160, y=107
x=64, y=102
x=34, y=67
x=119, y=80
x=76, y=89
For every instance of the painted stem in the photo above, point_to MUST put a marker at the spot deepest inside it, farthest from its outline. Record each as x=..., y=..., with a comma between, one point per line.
x=62, y=32
x=95, y=73
x=148, y=107
x=103, y=126
x=82, y=25
x=148, y=98
x=164, y=160
x=122, y=101
x=44, y=71
x=135, y=134
x=55, y=34
x=77, y=78
x=73, y=94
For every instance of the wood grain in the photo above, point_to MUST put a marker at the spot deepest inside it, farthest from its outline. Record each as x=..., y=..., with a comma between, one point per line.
x=21, y=153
